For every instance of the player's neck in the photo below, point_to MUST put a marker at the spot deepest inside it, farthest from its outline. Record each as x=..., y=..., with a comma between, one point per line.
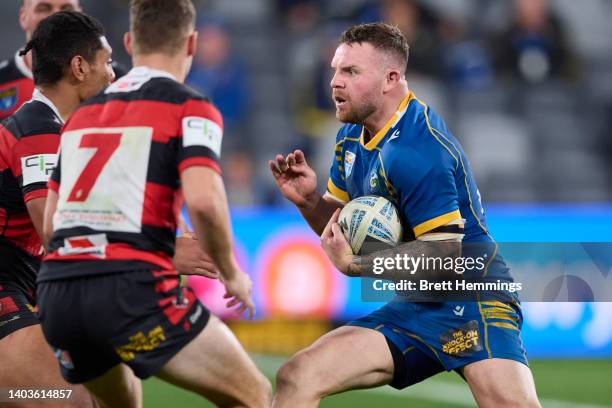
x=162, y=62
x=64, y=97
x=377, y=120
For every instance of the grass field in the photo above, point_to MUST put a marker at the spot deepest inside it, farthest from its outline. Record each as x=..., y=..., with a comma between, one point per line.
x=560, y=383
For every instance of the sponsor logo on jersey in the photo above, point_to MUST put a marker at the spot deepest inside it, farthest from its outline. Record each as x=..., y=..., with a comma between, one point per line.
x=395, y=135
x=349, y=162
x=8, y=98
x=37, y=168
x=463, y=341
x=199, y=131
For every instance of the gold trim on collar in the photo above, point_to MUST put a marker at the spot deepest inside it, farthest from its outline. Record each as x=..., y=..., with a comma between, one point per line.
x=382, y=132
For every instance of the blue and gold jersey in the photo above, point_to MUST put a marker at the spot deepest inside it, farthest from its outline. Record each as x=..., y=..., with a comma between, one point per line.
x=415, y=162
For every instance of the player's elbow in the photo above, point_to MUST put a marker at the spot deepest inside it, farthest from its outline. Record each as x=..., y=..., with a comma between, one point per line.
x=208, y=207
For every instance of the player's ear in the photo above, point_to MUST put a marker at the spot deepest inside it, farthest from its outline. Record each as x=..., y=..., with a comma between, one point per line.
x=127, y=43
x=23, y=17
x=79, y=67
x=392, y=79
x=192, y=43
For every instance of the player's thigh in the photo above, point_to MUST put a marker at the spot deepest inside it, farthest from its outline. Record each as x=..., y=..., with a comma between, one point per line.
x=118, y=387
x=28, y=362
x=215, y=365
x=501, y=383
x=348, y=357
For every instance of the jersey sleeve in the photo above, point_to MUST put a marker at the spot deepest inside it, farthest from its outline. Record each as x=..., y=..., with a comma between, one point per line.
x=201, y=136
x=336, y=183
x=33, y=159
x=426, y=190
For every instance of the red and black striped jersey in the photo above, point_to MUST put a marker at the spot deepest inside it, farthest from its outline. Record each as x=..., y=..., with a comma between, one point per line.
x=29, y=140
x=16, y=85
x=121, y=156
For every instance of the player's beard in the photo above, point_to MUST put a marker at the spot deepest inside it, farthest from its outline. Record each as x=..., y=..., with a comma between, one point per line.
x=356, y=114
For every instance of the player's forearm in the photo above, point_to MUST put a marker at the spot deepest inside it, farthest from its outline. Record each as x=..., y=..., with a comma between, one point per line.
x=206, y=202
x=318, y=212
x=212, y=226
x=363, y=266
x=36, y=210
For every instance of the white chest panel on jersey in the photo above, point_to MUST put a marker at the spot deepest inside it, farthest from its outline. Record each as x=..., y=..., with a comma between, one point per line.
x=103, y=178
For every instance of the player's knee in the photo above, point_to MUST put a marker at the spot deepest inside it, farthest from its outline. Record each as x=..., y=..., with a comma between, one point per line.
x=514, y=400
x=287, y=377
x=298, y=375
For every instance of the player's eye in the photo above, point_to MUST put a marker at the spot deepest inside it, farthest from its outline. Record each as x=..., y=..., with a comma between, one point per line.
x=68, y=7
x=43, y=8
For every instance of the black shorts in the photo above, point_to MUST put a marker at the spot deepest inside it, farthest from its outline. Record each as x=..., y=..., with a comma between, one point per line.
x=140, y=318
x=17, y=307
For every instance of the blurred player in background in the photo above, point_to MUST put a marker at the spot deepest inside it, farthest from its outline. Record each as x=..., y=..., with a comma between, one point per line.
x=393, y=145
x=16, y=82
x=71, y=62
x=110, y=301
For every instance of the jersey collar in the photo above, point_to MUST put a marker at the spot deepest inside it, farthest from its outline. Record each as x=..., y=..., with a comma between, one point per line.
x=401, y=109
x=21, y=66
x=38, y=96
x=143, y=70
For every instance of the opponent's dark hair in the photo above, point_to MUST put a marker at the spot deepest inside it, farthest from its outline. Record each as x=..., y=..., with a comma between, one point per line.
x=58, y=39
x=160, y=26
x=382, y=36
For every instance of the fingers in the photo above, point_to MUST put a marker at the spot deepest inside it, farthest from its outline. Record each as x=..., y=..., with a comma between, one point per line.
x=275, y=171
x=299, y=157
x=248, y=304
x=327, y=232
x=335, y=216
x=211, y=274
x=244, y=305
x=281, y=163
x=290, y=160
x=233, y=302
x=337, y=231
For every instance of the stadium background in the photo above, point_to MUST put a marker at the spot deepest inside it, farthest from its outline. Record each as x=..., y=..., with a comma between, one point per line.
x=533, y=112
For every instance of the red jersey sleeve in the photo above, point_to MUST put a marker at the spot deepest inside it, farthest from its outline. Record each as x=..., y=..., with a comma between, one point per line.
x=33, y=159
x=201, y=135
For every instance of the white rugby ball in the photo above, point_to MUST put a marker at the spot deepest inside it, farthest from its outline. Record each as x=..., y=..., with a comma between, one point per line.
x=370, y=219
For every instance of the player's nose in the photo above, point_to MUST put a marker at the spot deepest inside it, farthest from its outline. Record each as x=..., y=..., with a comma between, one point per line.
x=335, y=81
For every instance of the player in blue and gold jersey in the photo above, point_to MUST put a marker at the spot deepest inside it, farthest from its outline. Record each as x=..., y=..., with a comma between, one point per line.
x=393, y=145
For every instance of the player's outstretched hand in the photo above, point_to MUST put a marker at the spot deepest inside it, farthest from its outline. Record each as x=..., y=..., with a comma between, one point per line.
x=296, y=180
x=335, y=245
x=189, y=259
x=238, y=291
